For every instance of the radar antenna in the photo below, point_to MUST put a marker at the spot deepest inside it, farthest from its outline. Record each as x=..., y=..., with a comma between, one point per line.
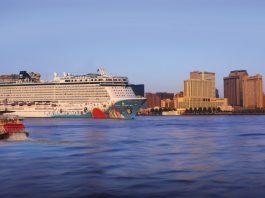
x=102, y=71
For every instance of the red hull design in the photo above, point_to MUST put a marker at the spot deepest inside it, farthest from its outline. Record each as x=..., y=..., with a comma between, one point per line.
x=10, y=125
x=13, y=128
x=98, y=114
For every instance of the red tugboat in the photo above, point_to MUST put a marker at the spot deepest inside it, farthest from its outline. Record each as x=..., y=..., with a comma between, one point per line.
x=10, y=127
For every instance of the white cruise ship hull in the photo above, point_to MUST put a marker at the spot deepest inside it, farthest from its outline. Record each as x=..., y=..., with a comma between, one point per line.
x=122, y=109
x=91, y=96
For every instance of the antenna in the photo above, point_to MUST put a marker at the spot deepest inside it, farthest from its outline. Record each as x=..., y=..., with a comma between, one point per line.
x=102, y=71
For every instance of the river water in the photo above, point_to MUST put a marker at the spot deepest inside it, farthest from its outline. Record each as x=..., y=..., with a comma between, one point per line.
x=196, y=156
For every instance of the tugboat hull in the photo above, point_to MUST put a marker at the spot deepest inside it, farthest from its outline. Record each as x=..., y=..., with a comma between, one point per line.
x=12, y=128
x=14, y=136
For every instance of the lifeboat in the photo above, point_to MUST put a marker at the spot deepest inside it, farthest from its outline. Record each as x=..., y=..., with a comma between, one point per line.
x=9, y=126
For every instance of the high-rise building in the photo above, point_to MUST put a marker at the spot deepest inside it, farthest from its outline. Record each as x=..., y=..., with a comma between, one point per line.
x=165, y=95
x=217, y=93
x=263, y=100
x=200, y=92
x=233, y=87
x=198, y=75
x=138, y=89
x=153, y=100
x=252, y=92
x=200, y=85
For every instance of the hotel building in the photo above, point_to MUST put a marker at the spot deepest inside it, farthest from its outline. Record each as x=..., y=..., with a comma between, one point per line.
x=200, y=85
x=263, y=100
x=199, y=92
x=233, y=87
x=253, y=92
x=243, y=90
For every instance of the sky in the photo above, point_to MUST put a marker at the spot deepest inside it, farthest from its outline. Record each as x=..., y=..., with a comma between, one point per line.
x=155, y=42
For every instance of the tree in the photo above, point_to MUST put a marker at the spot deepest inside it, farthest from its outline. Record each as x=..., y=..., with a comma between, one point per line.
x=214, y=110
x=200, y=110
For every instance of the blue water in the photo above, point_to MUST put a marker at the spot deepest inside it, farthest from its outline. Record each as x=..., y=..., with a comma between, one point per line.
x=221, y=156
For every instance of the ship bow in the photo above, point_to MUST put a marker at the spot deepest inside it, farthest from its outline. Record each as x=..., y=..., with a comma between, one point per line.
x=126, y=109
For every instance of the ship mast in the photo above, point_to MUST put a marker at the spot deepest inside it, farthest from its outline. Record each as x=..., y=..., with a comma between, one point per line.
x=102, y=71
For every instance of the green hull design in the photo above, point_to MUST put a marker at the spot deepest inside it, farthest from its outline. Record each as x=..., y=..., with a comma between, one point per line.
x=125, y=109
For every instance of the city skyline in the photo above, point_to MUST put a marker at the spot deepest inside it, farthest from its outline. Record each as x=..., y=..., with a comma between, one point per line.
x=150, y=42
x=132, y=98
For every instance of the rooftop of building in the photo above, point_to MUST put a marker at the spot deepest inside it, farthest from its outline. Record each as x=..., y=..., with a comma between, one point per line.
x=234, y=71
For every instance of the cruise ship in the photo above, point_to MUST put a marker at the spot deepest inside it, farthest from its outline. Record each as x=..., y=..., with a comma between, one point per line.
x=94, y=95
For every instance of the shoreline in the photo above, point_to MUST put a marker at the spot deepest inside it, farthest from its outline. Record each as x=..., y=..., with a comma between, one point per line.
x=219, y=114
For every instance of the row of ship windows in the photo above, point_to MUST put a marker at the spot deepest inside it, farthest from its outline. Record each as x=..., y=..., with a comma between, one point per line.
x=121, y=88
x=84, y=100
x=123, y=92
x=54, y=86
x=51, y=90
x=118, y=92
x=96, y=100
x=39, y=97
x=124, y=95
x=57, y=93
x=96, y=80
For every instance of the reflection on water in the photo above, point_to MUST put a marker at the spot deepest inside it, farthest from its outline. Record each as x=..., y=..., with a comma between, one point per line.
x=149, y=156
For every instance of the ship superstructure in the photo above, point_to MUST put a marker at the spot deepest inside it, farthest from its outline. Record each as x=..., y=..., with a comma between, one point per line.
x=92, y=95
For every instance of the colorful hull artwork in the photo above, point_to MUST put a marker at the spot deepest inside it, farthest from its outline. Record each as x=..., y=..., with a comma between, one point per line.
x=124, y=109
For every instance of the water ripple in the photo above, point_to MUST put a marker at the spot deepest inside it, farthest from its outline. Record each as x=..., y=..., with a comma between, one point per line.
x=207, y=156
